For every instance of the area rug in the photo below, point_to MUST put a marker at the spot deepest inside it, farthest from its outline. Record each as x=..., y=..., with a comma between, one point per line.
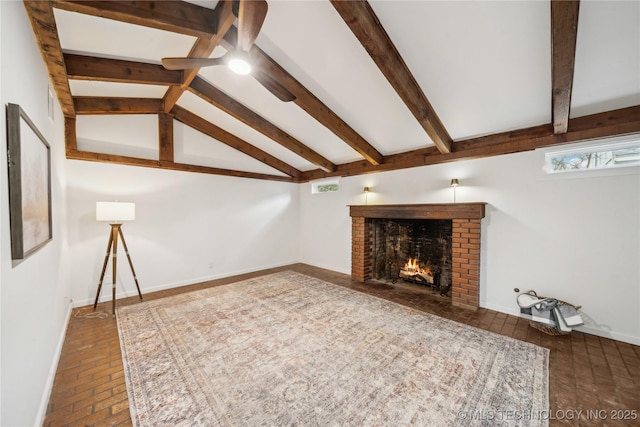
x=289, y=349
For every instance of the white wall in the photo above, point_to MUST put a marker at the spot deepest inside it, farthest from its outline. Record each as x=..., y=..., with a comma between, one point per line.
x=34, y=304
x=574, y=238
x=189, y=227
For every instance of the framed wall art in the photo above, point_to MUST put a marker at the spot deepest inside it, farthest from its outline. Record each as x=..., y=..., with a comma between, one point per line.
x=29, y=161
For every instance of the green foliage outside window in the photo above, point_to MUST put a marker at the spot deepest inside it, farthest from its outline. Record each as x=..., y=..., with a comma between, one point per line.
x=326, y=188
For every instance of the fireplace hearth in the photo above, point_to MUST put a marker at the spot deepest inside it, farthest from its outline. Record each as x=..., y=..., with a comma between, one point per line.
x=436, y=245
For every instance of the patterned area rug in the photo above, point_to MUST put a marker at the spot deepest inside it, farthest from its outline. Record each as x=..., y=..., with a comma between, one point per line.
x=289, y=349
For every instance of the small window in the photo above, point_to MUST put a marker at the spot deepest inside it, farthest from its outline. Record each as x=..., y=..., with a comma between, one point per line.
x=616, y=154
x=325, y=186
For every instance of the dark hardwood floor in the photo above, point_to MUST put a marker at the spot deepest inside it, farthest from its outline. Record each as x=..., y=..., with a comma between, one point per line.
x=597, y=376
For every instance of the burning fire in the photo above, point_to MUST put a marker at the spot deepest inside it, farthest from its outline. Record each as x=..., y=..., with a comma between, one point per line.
x=412, y=266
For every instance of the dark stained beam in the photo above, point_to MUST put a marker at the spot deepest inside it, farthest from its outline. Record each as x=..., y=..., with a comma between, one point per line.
x=232, y=141
x=168, y=165
x=219, y=171
x=317, y=109
x=160, y=15
x=82, y=67
x=166, y=159
x=70, y=137
x=202, y=48
x=308, y=101
x=165, y=134
x=111, y=158
x=564, y=30
x=175, y=16
x=44, y=27
x=219, y=99
x=363, y=22
x=100, y=105
x=603, y=125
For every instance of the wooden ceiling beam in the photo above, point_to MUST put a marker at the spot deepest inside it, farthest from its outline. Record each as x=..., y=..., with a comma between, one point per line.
x=82, y=67
x=165, y=123
x=44, y=27
x=603, y=125
x=202, y=49
x=564, y=31
x=90, y=105
x=220, y=171
x=219, y=99
x=363, y=22
x=70, y=136
x=165, y=15
x=165, y=137
x=561, y=130
x=102, y=69
x=169, y=165
x=175, y=16
x=308, y=101
x=219, y=134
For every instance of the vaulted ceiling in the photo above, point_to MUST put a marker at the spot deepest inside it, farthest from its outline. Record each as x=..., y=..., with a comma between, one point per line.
x=355, y=86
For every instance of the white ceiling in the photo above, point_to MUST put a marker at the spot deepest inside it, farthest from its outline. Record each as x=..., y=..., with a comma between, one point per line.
x=485, y=66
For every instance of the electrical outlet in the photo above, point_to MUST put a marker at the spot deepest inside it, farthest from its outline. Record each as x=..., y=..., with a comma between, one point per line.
x=211, y=264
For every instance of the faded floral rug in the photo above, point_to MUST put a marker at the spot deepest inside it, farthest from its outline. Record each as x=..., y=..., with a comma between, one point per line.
x=289, y=349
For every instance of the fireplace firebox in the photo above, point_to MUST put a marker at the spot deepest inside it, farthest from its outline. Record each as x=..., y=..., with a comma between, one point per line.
x=433, y=244
x=412, y=250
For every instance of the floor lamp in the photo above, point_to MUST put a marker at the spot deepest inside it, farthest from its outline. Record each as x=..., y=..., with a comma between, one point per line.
x=115, y=213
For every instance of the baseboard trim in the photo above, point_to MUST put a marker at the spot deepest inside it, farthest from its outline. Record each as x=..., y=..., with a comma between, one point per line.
x=584, y=328
x=44, y=402
x=105, y=298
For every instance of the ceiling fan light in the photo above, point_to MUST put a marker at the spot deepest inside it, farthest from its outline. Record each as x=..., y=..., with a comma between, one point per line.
x=239, y=66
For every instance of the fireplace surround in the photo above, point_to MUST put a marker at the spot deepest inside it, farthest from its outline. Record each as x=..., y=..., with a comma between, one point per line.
x=465, y=242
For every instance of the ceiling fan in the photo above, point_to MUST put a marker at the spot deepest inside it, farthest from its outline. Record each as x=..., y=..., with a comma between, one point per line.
x=251, y=15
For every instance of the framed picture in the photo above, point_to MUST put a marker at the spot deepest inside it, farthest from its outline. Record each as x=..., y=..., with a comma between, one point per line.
x=29, y=158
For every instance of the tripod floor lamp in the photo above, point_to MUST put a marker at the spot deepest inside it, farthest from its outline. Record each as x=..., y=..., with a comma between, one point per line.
x=115, y=213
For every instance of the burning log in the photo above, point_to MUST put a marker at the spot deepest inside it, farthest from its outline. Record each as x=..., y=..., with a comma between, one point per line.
x=413, y=272
x=416, y=277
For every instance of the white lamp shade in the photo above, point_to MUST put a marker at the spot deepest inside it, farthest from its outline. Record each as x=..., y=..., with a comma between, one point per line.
x=115, y=211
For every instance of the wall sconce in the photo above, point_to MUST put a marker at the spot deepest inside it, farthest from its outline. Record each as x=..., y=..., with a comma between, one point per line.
x=454, y=184
x=366, y=194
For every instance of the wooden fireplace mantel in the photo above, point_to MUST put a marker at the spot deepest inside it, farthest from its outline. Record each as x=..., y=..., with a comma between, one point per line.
x=421, y=211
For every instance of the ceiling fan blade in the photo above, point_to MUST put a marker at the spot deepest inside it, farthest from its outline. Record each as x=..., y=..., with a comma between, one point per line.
x=251, y=15
x=273, y=86
x=187, y=63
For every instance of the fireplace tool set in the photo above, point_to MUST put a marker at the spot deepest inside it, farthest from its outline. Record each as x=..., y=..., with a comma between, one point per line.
x=549, y=315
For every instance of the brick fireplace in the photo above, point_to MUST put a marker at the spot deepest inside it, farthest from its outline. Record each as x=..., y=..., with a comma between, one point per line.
x=465, y=242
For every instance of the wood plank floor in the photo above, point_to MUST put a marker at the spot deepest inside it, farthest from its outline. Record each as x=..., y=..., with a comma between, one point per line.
x=587, y=373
